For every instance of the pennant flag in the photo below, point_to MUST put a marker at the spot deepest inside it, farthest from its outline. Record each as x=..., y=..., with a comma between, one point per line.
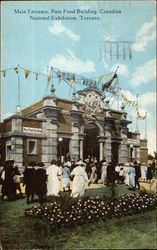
x=4, y=73
x=27, y=73
x=36, y=76
x=49, y=79
x=60, y=79
x=115, y=82
x=107, y=84
x=71, y=81
x=125, y=101
x=16, y=70
x=100, y=79
x=108, y=76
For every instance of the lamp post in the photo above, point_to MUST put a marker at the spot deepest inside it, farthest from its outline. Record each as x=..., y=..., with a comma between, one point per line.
x=131, y=151
x=60, y=139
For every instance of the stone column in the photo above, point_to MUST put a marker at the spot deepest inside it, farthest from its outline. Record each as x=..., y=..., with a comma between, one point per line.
x=49, y=145
x=108, y=147
x=17, y=141
x=123, y=149
x=81, y=149
x=101, y=148
x=138, y=155
x=74, y=145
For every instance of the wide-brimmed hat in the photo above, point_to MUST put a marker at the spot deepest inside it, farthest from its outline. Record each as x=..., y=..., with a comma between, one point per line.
x=144, y=164
x=131, y=164
x=66, y=164
x=126, y=164
x=80, y=163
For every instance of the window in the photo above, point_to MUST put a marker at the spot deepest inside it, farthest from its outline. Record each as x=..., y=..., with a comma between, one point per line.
x=32, y=147
x=8, y=151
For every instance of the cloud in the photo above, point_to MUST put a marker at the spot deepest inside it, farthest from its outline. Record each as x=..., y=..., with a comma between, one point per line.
x=58, y=28
x=147, y=99
x=72, y=63
x=123, y=69
x=109, y=38
x=146, y=34
x=6, y=115
x=151, y=140
x=144, y=73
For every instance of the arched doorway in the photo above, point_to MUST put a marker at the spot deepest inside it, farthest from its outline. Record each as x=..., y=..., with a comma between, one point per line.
x=91, y=143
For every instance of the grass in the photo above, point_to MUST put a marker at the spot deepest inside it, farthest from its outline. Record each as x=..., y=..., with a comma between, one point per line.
x=20, y=232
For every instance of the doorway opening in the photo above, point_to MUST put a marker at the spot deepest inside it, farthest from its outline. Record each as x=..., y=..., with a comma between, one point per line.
x=91, y=143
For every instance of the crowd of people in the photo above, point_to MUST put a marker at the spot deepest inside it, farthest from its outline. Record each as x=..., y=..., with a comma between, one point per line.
x=45, y=181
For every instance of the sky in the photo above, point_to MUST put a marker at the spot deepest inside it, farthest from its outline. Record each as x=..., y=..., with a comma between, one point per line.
x=38, y=42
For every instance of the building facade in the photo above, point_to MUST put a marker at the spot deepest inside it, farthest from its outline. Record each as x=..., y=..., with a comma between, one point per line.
x=85, y=125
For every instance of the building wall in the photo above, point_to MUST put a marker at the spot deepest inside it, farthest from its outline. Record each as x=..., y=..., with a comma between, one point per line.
x=143, y=151
x=7, y=126
x=64, y=123
x=32, y=123
x=27, y=158
x=33, y=108
x=64, y=104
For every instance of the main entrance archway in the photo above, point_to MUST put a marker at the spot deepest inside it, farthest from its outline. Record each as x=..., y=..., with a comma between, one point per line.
x=91, y=143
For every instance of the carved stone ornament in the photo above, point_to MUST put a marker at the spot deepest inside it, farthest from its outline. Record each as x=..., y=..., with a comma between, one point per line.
x=92, y=99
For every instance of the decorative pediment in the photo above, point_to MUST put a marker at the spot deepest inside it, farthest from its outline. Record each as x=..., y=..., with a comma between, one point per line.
x=93, y=99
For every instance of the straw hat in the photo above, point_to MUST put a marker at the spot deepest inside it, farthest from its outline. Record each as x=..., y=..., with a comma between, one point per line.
x=80, y=163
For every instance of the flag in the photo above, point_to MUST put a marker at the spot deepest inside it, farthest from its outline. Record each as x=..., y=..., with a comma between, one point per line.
x=4, y=73
x=36, y=76
x=60, y=79
x=49, y=79
x=27, y=73
x=16, y=70
x=108, y=76
x=125, y=101
x=107, y=84
x=100, y=79
x=115, y=82
x=71, y=81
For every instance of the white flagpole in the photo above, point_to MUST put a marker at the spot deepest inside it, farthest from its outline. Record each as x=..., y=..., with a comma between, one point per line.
x=137, y=129
x=146, y=126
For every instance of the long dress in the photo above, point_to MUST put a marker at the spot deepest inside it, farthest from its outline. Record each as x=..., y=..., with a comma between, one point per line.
x=126, y=176
x=53, y=173
x=104, y=173
x=143, y=172
x=79, y=181
x=132, y=174
x=65, y=177
x=93, y=175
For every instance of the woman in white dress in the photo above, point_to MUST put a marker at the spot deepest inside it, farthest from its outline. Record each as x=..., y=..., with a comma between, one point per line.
x=126, y=174
x=79, y=181
x=144, y=171
x=53, y=172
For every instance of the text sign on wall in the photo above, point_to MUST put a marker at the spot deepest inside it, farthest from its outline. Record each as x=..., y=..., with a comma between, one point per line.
x=31, y=130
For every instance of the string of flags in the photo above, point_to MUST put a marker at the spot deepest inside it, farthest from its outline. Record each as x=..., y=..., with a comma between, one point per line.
x=71, y=78
x=61, y=75
x=128, y=102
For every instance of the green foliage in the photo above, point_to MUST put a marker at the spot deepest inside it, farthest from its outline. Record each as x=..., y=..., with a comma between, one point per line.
x=20, y=232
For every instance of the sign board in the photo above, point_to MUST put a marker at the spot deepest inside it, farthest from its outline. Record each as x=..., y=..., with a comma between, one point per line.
x=32, y=130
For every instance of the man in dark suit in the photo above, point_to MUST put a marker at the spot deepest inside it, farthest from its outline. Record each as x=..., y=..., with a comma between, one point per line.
x=40, y=182
x=8, y=185
x=29, y=181
x=138, y=173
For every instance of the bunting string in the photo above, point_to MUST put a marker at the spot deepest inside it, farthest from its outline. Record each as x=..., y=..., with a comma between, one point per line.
x=108, y=83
